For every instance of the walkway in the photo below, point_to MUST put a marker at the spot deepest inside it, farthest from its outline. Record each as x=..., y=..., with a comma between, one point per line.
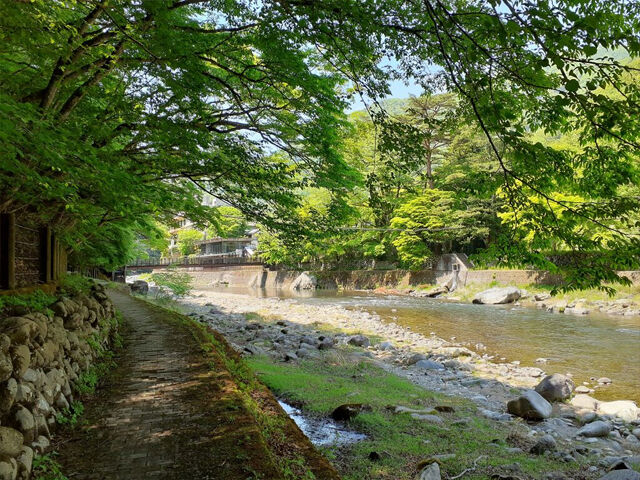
x=163, y=413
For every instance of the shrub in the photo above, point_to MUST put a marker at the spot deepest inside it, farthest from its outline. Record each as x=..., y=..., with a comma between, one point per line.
x=74, y=284
x=38, y=301
x=179, y=283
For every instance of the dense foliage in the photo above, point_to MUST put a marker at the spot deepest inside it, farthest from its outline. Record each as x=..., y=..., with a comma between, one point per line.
x=115, y=114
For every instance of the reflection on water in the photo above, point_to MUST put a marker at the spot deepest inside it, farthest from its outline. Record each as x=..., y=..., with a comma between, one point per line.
x=322, y=432
x=589, y=346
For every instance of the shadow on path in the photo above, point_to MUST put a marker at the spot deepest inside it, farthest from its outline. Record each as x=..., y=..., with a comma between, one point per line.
x=163, y=413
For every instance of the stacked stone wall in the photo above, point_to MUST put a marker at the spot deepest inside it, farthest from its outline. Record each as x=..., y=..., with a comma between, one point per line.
x=41, y=359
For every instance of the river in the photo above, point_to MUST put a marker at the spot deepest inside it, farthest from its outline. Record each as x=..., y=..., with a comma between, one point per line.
x=589, y=346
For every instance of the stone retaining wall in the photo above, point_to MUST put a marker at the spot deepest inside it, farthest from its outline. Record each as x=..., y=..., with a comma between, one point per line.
x=41, y=357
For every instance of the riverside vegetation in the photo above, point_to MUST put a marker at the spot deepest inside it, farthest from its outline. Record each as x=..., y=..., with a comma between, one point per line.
x=413, y=414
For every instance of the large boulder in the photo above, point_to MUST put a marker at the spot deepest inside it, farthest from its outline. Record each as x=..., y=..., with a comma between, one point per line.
x=556, y=387
x=496, y=296
x=624, y=409
x=140, y=287
x=530, y=406
x=304, y=281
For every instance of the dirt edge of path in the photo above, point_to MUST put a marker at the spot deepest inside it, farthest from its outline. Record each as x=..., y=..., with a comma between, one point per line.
x=282, y=436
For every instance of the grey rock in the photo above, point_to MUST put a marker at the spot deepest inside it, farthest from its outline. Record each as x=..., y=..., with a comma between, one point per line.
x=24, y=422
x=326, y=343
x=546, y=443
x=41, y=444
x=582, y=389
x=415, y=358
x=578, y=309
x=289, y=356
x=140, y=287
x=588, y=417
x=385, y=346
x=309, y=340
x=621, y=475
x=434, y=292
x=25, y=461
x=429, y=365
x=539, y=297
x=604, y=380
x=495, y=296
x=598, y=428
x=556, y=387
x=430, y=472
x=359, y=341
x=530, y=405
x=501, y=417
x=304, y=281
x=428, y=418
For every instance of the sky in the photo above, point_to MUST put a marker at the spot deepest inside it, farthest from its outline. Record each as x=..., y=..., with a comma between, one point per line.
x=398, y=90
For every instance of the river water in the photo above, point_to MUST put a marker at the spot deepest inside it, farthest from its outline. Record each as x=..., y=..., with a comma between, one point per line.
x=588, y=346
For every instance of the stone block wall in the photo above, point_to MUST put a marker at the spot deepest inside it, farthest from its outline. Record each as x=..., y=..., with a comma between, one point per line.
x=41, y=357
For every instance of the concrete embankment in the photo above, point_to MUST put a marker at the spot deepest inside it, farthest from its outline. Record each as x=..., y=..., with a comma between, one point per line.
x=257, y=276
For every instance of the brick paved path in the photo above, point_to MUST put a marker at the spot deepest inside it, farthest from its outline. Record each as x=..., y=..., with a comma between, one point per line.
x=162, y=413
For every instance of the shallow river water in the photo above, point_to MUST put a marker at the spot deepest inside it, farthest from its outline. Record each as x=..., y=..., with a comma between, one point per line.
x=588, y=346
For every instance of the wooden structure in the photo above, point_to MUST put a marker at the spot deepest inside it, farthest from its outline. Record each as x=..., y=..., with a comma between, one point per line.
x=30, y=254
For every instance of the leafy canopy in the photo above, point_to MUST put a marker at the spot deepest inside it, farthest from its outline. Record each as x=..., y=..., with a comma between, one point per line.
x=112, y=113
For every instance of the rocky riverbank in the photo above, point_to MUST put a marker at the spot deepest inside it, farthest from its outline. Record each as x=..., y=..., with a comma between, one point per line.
x=627, y=306
x=288, y=330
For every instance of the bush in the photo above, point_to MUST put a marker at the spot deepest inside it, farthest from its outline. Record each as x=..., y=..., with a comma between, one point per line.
x=179, y=283
x=38, y=301
x=74, y=284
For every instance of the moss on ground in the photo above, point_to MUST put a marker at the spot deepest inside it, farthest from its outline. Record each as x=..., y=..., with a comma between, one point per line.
x=401, y=441
x=288, y=448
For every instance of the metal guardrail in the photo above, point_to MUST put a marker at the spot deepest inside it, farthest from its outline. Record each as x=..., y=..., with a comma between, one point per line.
x=197, y=260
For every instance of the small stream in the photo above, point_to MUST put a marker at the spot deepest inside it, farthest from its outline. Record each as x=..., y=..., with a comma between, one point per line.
x=322, y=432
x=589, y=346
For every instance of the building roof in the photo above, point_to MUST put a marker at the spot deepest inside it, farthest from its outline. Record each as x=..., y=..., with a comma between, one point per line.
x=222, y=240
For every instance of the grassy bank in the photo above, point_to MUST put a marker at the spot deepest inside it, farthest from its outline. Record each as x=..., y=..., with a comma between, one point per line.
x=467, y=293
x=244, y=400
x=403, y=443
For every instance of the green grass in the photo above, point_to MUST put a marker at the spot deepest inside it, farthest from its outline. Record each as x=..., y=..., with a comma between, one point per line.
x=37, y=301
x=632, y=292
x=46, y=467
x=403, y=442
